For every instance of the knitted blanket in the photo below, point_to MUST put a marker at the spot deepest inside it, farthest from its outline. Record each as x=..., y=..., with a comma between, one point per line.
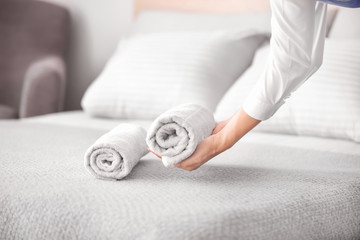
x=256, y=190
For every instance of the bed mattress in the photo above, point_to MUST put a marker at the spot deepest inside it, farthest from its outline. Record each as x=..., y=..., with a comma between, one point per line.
x=267, y=186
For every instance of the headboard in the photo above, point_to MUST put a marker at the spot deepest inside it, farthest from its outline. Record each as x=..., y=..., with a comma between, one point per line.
x=205, y=6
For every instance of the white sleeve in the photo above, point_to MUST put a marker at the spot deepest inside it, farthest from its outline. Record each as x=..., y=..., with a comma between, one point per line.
x=296, y=51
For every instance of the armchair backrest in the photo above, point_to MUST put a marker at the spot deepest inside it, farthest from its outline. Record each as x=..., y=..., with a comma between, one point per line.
x=29, y=31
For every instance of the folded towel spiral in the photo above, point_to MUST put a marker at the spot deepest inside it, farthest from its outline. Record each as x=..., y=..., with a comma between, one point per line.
x=117, y=152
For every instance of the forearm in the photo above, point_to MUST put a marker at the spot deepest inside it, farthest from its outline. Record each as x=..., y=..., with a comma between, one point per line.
x=238, y=125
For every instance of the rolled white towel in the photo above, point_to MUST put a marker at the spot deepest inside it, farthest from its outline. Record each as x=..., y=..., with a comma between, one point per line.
x=175, y=134
x=116, y=153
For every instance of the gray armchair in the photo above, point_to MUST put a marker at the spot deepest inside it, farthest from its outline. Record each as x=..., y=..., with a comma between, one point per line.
x=33, y=43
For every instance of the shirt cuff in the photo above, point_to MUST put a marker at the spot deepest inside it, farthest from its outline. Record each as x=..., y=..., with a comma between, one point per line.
x=259, y=109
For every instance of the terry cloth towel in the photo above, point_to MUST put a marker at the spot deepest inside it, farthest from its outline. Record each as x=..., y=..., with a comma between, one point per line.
x=116, y=153
x=175, y=134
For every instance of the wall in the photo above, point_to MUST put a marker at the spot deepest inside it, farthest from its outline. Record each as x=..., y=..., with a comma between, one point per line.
x=96, y=27
x=209, y=6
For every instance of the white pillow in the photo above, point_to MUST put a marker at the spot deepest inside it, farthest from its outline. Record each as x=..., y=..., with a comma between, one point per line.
x=148, y=74
x=346, y=24
x=235, y=96
x=327, y=105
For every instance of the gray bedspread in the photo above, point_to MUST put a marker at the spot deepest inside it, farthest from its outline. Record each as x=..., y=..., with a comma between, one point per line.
x=257, y=190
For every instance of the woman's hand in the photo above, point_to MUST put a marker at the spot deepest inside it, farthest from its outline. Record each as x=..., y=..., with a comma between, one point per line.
x=205, y=151
x=224, y=136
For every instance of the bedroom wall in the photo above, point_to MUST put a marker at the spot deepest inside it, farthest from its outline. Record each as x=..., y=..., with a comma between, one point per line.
x=96, y=28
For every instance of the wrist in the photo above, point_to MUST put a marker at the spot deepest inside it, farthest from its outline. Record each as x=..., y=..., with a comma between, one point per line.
x=220, y=143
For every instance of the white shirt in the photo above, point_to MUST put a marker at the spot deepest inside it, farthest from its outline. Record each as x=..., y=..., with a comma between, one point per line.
x=296, y=50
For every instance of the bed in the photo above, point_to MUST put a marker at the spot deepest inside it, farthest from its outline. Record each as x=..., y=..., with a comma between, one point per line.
x=268, y=186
